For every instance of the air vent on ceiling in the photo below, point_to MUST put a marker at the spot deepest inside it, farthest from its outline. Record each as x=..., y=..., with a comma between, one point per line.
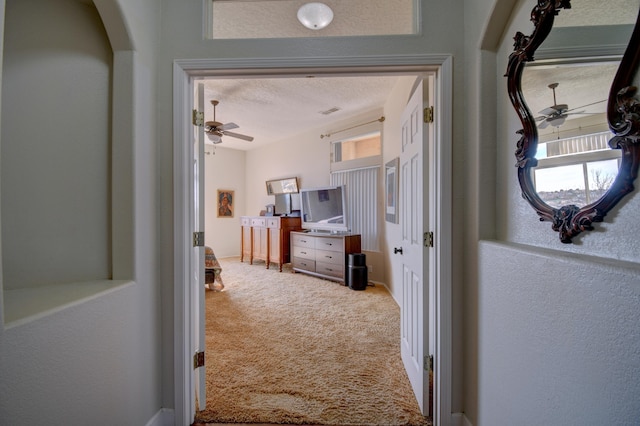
x=330, y=111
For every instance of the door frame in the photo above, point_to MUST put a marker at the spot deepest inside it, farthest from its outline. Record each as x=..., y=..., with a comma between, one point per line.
x=184, y=73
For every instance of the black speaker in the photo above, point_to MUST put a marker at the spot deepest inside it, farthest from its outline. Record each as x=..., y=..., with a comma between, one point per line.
x=358, y=259
x=358, y=277
x=357, y=272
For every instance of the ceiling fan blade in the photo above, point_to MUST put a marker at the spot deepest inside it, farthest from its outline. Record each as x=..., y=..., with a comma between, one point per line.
x=584, y=106
x=228, y=126
x=555, y=109
x=239, y=136
x=543, y=124
x=549, y=111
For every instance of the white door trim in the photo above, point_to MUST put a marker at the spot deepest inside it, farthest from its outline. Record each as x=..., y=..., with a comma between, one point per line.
x=183, y=73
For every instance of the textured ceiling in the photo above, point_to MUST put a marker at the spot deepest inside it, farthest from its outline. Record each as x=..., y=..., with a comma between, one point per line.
x=598, y=12
x=277, y=18
x=272, y=109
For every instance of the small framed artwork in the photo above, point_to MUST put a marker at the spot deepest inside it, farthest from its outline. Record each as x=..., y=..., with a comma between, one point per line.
x=225, y=203
x=391, y=181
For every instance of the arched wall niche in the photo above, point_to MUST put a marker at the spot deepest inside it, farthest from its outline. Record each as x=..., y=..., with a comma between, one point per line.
x=24, y=300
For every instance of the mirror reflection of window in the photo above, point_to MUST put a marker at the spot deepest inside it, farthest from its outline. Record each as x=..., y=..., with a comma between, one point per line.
x=578, y=184
x=600, y=175
x=289, y=186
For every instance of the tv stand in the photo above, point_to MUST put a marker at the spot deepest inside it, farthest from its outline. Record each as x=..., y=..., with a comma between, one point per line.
x=323, y=254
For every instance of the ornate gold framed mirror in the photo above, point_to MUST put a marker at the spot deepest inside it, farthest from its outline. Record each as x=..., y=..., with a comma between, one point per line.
x=603, y=160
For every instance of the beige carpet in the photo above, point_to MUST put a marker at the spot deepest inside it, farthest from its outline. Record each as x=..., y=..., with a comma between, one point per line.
x=290, y=348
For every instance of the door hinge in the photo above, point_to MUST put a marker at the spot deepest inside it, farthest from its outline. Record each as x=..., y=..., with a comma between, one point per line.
x=428, y=114
x=428, y=363
x=428, y=239
x=198, y=239
x=198, y=360
x=197, y=118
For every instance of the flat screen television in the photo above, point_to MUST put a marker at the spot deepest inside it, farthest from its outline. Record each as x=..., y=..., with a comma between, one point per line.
x=324, y=209
x=283, y=204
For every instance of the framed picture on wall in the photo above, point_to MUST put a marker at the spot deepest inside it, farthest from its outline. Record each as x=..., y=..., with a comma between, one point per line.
x=225, y=203
x=391, y=190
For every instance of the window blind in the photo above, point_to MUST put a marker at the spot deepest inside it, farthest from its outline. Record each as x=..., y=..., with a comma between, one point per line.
x=362, y=203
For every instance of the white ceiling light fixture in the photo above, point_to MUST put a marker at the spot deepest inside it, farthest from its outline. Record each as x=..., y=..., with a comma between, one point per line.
x=315, y=16
x=214, y=138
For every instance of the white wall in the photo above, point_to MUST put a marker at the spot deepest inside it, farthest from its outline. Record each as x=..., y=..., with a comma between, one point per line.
x=304, y=156
x=97, y=359
x=224, y=169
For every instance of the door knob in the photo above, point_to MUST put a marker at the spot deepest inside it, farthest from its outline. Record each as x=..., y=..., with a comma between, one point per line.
x=397, y=250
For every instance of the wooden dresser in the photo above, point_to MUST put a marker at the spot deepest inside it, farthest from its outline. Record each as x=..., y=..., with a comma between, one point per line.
x=267, y=238
x=323, y=255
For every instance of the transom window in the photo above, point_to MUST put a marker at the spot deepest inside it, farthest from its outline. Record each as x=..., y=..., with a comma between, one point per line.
x=249, y=19
x=365, y=146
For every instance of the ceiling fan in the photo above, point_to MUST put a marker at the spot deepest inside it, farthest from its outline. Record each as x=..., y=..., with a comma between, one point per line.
x=556, y=114
x=215, y=130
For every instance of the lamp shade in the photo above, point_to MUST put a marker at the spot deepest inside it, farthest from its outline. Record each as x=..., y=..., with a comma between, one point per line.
x=315, y=16
x=214, y=138
x=558, y=121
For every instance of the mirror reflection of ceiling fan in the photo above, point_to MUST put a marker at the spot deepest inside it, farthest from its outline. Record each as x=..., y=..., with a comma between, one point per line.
x=215, y=130
x=556, y=114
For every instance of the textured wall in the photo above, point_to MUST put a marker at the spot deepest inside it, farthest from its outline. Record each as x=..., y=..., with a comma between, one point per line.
x=558, y=338
x=551, y=330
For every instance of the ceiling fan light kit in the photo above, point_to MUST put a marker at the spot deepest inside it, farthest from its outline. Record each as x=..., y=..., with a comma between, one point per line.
x=215, y=129
x=214, y=138
x=315, y=16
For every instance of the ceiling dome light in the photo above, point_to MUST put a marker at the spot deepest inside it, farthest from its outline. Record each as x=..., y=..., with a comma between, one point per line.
x=315, y=16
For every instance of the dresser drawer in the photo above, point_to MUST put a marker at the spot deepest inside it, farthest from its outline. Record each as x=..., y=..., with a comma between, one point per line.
x=273, y=222
x=332, y=244
x=328, y=256
x=304, y=252
x=301, y=240
x=306, y=264
x=245, y=221
x=258, y=222
x=331, y=269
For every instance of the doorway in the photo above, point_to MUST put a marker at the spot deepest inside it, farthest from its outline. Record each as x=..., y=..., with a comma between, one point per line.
x=184, y=73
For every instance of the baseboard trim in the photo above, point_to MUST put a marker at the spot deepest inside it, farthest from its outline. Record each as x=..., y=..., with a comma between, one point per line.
x=459, y=419
x=164, y=417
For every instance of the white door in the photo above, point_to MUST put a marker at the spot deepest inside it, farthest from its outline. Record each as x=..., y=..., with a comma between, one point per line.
x=412, y=257
x=197, y=258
